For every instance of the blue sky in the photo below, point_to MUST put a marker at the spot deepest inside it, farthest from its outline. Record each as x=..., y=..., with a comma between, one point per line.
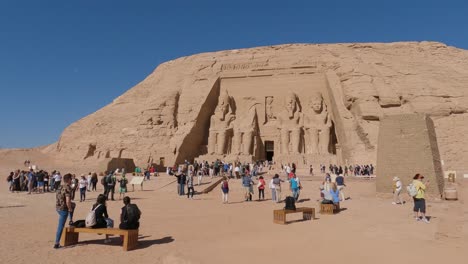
x=62, y=60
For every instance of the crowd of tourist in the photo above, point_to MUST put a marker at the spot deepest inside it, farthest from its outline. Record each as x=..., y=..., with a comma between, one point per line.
x=41, y=181
x=253, y=176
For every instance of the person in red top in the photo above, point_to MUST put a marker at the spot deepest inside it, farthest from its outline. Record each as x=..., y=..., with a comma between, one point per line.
x=261, y=188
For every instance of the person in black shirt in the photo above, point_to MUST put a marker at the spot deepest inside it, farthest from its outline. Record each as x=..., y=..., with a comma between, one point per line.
x=102, y=218
x=181, y=179
x=130, y=215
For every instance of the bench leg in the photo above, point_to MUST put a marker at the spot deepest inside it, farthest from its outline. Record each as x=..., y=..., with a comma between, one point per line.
x=307, y=215
x=279, y=218
x=69, y=238
x=130, y=240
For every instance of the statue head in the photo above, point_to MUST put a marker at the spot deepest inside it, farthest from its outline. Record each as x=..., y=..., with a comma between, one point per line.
x=316, y=102
x=291, y=104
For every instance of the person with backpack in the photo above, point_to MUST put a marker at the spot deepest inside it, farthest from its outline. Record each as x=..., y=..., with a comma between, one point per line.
x=130, y=215
x=417, y=190
x=247, y=184
x=109, y=185
x=123, y=186
x=225, y=189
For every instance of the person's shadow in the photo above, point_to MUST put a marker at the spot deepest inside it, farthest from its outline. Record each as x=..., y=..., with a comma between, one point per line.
x=148, y=243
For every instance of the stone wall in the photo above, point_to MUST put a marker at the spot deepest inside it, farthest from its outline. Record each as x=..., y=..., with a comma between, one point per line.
x=407, y=145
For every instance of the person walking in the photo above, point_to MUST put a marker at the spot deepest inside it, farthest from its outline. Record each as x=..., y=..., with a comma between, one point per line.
x=63, y=206
x=246, y=184
x=295, y=185
x=397, y=186
x=225, y=189
x=94, y=181
x=190, y=189
x=277, y=182
x=261, y=188
x=88, y=180
x=200, y=177
x=83, y=184
x=419, y=199
x=123, y=186
x=273, y=190
x=340, y=185
x=31, y=179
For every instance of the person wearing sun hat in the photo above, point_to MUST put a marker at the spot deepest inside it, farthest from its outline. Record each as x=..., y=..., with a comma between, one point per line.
x=397, y=187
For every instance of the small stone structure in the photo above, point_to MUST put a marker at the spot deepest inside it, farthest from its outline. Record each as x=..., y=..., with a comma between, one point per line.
x=111, y=164
x=407, y=145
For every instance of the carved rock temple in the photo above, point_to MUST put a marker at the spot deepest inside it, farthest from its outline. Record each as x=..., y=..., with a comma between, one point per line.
x=301, y=103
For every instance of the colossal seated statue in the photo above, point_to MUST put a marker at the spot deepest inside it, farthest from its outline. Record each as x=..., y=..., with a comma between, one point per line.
x=221, y=127
x=289, y=125
x=244, y=133
x=317, y=125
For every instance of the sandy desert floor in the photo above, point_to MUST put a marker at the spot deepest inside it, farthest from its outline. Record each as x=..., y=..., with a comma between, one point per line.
x=177, y=230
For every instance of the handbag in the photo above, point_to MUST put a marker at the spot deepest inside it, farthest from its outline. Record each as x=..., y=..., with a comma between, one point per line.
x=91, y=218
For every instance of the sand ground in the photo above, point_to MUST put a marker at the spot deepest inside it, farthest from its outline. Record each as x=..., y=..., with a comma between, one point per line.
x=177, y=230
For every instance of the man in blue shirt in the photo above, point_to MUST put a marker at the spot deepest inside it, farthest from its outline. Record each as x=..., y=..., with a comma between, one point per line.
x=31, y=179
x=295, y=186
x=340, y=185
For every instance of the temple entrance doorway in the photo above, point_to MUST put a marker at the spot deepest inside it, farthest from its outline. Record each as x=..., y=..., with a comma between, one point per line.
x=269, y=150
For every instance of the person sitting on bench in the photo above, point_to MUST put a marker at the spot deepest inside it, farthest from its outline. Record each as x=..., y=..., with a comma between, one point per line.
x=130, y=216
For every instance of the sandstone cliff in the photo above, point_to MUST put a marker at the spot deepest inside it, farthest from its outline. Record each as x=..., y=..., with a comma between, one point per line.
x=166, y=117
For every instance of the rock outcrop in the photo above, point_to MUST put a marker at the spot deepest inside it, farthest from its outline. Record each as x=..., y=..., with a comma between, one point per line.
x=167, y=118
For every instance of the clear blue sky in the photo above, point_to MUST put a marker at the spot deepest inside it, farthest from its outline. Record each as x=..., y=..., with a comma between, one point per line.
x=61, y=60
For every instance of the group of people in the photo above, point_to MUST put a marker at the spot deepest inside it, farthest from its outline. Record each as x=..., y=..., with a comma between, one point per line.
x=219, y=168
x=332, y=189
x=110, y=181
x=351, y=170
x=40, y=181
x=129, y=217
x=417, y=190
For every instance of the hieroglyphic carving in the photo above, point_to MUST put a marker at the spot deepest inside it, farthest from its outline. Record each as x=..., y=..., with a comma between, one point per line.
x=242, y=66
x=269, y=115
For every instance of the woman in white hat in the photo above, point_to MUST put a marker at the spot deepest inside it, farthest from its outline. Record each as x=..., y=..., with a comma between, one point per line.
x=397, y=186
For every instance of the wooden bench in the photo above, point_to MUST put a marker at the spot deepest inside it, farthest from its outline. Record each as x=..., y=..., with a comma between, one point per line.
x=279, y=216
x=329, y=208
x=70, y=235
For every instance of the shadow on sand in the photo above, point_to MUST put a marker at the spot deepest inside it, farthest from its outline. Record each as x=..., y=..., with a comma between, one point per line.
x=116, y=241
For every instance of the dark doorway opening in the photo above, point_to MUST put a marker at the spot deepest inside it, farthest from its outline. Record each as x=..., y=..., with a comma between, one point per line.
x=269, y=150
